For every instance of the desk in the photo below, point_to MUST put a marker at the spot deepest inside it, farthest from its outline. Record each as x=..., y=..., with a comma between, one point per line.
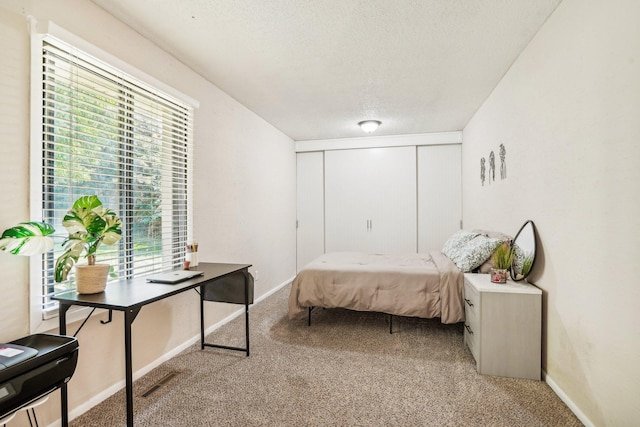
x=129, y=296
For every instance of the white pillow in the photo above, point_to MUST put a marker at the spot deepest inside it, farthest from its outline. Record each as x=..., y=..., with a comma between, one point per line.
x=456, y=243
x=475, y=252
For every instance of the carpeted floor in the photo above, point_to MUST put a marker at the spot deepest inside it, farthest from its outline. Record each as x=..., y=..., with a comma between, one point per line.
x=345, y=370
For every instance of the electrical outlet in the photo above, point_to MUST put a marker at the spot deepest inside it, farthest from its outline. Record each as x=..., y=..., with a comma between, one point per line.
x=255, y=275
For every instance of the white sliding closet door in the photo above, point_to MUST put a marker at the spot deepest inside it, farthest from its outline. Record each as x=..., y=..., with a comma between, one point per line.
x=310, y=207
x=370, y=200
x=439, y=195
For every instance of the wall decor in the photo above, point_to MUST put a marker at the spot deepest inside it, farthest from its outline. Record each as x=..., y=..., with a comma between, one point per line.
x=503, y=163
x=492, y=167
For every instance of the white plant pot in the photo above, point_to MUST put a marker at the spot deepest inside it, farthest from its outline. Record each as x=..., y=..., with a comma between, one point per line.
x=91, y=279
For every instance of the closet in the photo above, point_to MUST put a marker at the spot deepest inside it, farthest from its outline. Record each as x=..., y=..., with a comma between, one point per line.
x=403, y=199
x=370, y=200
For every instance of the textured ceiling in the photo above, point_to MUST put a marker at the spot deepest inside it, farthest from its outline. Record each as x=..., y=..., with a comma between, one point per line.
x=314, y=68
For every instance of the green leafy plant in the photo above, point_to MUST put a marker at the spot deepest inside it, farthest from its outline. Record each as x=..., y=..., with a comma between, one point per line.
x=502, y=257
x=27, y=238
x=89, y=225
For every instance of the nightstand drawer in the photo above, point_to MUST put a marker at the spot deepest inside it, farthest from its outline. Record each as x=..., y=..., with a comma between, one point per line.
x=471, y=323
x=471, y=330
x=471, y=338
x=471, y=299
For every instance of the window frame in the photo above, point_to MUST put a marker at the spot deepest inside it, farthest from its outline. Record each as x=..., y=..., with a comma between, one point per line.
x=40, y=32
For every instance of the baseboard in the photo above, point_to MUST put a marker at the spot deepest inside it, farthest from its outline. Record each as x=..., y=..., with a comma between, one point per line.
x=81, y=409
x=563, y=396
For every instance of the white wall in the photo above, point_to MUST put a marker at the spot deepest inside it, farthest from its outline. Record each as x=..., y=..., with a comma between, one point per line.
x=568, y=113
x=244, y=197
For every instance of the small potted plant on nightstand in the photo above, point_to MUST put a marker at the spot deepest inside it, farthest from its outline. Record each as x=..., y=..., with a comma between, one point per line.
x=501, y=258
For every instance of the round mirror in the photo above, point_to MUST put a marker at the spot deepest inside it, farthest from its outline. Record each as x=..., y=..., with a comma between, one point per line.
x=524, y=251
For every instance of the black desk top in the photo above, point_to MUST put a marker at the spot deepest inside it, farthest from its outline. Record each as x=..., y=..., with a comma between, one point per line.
x=133, y=293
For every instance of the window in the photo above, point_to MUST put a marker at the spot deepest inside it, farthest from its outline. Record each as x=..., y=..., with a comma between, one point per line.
x=107, y=133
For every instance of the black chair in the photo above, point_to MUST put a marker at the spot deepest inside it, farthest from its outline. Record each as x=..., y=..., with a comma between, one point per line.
x=236, y=288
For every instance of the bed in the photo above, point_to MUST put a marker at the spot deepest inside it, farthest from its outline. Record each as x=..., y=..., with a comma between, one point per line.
x=426, y=285
x=416, y=285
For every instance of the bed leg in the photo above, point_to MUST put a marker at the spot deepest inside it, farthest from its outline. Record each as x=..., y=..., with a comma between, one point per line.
x=309, y=317
x=391, y=323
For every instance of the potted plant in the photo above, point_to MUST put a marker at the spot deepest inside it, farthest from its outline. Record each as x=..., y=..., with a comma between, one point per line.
x=501, y=259
x=89, y=225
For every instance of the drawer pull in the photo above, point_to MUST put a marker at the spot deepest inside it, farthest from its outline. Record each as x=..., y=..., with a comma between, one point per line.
x=469, y=303
x=468, y=328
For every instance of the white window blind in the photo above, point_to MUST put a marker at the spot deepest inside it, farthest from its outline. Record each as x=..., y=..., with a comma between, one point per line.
x=106, y=133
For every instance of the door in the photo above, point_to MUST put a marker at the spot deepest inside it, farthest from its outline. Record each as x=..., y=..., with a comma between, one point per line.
x=439, y=195
x=370, y=200
x=310, y=207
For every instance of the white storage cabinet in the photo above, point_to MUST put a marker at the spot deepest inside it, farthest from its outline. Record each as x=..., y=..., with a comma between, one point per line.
x=503, y=326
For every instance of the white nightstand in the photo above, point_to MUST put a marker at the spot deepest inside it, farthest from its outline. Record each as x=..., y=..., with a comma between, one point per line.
x=503, y=326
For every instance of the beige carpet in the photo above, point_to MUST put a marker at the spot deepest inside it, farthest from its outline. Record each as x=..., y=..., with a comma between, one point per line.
x=346, y=370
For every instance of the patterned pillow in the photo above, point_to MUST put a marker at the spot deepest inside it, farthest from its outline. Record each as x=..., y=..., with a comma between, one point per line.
x=456, y=243
x=475, y=252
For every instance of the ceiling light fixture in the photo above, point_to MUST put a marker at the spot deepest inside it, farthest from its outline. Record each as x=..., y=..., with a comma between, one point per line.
x=369, y=125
